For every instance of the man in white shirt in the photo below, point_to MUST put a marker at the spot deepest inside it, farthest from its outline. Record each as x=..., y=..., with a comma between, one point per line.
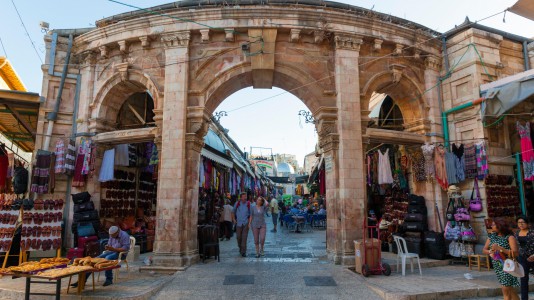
x=274, y=212
x=227, y=219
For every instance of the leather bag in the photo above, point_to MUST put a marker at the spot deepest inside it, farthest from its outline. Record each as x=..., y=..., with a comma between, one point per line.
x=513, y=267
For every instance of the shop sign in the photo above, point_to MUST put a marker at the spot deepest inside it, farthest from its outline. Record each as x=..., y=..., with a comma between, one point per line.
x=328, y=163
x=263, y=163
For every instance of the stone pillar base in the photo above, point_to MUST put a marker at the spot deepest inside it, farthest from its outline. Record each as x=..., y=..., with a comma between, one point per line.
x=174, y=260
x=340, y=259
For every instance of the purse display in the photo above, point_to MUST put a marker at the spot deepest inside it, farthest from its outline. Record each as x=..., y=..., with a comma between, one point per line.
x=452, y=233
x=468, y=234
x=475, y=205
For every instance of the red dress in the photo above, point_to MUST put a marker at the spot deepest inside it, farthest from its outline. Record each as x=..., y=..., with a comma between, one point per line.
x=527, y=153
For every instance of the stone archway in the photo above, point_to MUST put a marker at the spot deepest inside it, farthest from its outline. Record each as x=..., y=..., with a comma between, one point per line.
x=319, y=55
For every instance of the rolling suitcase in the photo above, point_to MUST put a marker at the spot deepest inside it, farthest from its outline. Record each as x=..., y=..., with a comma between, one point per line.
x=92, y=249
x=84, y=240
x=75, y=253
x=435, y=246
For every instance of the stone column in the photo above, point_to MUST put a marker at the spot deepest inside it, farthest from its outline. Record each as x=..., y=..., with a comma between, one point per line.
x=432, y=191
x=349, y=203
x=171, y=244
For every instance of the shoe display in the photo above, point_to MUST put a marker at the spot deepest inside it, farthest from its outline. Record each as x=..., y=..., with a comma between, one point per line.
x=108, y=282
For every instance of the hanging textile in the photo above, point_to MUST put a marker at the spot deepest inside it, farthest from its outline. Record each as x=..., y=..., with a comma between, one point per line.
x=527, y=154
x=450, y=167
x=121, y=155
x=107, y=168
x=60, y=157
x=132, y=155
x=11, y=164
x=85, y=149
x=4, y=165
x=460, y=161
x=384, y=168
x=470, y=161
x=482, y=161
x=154, y=159
x=51, y=171
x=92, y=160
x=70, y=158
x=201, y=175
x=428, y=152
x=41, y=172
x=440, y=168
x=82, y=163
x=418, y=166
x=322, y=182
x=369, y=166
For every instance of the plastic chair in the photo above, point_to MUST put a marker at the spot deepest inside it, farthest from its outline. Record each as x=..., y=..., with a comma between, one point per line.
x=308, y=221
x=289, y=221
x=403, y=254
x=120, y=260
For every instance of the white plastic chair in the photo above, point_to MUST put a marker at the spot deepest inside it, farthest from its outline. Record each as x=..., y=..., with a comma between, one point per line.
x=120, y=260
x=403, y=254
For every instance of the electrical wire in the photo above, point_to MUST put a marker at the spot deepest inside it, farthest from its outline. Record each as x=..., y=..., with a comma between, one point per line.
x=26, y=30
x=2, y=43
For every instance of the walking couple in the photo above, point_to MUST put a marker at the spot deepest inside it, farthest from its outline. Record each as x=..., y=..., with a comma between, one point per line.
x=246, y=215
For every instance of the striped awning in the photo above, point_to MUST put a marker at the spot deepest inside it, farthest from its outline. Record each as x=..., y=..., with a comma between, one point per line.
x=216, y=158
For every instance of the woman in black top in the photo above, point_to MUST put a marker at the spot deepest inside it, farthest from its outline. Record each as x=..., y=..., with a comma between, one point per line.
x=525, y=238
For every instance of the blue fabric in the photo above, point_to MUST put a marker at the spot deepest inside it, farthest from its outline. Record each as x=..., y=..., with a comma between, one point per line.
x=109, y=256
x=242, y=213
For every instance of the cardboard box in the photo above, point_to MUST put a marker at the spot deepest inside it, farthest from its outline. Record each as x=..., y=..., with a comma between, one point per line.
x=372, y=253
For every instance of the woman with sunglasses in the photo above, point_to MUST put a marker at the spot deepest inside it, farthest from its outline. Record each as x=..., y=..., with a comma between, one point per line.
x=502, y=243
x=525, y=238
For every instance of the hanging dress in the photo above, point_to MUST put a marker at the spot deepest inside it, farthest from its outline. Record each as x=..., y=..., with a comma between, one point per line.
x=107, y=167
x=60, y=157
x=441, y=171
x=384, y=168
x=470, y=161
x=428, y=152
x=527, y=154
x=460, y=161
x=482, y=161
x=450, y=167
x=418, y=166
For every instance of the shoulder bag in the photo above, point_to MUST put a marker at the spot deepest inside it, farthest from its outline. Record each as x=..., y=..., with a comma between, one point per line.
x=513, y=267
x=452, y=233
x=450, y=210
x=475, y=205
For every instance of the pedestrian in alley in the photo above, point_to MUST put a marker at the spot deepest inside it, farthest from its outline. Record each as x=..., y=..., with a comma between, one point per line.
x=241, y=218
x=227, y=219
x=501, y=243
x=274, y=212
x=525, y=238
x=258, y=225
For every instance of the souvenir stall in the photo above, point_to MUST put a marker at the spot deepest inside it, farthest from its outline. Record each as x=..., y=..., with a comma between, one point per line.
x=128, y=177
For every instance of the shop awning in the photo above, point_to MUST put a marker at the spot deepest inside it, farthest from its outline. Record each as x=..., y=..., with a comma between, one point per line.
x=502, y=95
x=216, y=158
x=524, y=8
x=18, y=117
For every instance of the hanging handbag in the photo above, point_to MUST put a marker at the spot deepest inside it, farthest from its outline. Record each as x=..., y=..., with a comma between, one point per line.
x=475, y=205
x=450, y=210
x=468, y=234
x=461, y=214
x=452, y=233
x=466, y=249
x=455, y=249
x=512, y=267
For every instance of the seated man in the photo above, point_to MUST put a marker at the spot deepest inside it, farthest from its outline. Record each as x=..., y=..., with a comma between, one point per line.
x=321, y=211
x=119, y=241
x=295, y=210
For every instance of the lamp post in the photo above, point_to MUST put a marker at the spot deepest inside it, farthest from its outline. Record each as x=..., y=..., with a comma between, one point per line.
x=308, y=117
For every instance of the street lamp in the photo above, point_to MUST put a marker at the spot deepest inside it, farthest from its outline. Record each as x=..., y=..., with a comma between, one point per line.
x=217, y=115
x=308, y=117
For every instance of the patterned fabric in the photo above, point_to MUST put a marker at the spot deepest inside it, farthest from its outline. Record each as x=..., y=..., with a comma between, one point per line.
x=470, y=161
x=154, y=159
x=418, y=166
x=482, y=161
x=526, y=243
x=504, y=278
x=70, y=158
x=459, y=161
x=450, y=167
x=384, y=168
x=85, y=149
x=41, y=172
x=60, y=157
x=441, y=171
x=527, y=154
x=428, y=152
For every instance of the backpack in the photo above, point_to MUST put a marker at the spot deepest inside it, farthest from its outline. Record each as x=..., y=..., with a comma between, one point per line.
x=20, y=180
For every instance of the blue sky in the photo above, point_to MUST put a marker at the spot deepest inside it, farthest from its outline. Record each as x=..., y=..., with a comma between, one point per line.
x=272, y=123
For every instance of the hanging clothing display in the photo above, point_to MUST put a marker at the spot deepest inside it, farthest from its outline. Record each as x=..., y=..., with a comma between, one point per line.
x=428, y=153
x=527, y=154
x=384, y=168
x=450, y=167
x=41, y=172
x=460, y=161
x=107, y=168
x=418, y=166
x=52, y=179
x=132, y=155
x=470, y=159
x=70, y=158
x=60, y=157
x=4, y=165
x=482, y=160
x=440, y=167
x=11, y=164
x=122, y=157
x=82, y=162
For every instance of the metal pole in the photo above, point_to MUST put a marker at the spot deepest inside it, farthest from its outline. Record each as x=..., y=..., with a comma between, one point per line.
x=520, y=184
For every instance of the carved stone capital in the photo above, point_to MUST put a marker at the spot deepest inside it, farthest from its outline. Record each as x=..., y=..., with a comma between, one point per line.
x=348, y=42
x=329, y=142
x=123, y=47
x=145, y=41
x=318, y=36
x=398, y=49
x=176, y=40
x=432, y=63
x=326, y=126
x=194, y=142
x=396, y=72
x=198, y=121
x=103, y=51
x=229, y=34
x=122, y=68
x=294, y=35
x=205, y=35
x=158, y=118
x=89, y=58
x=377, y=45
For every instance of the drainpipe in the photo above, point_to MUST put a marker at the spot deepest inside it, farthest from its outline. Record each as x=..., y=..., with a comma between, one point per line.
x=445, y=55
x=454, y=109
x=520, y=183
x=52, y=116
x=525, y=56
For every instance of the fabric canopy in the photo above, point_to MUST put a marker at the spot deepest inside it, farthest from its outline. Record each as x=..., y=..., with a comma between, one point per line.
x=524, y=8
x=213, y=156
x=500, y=99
